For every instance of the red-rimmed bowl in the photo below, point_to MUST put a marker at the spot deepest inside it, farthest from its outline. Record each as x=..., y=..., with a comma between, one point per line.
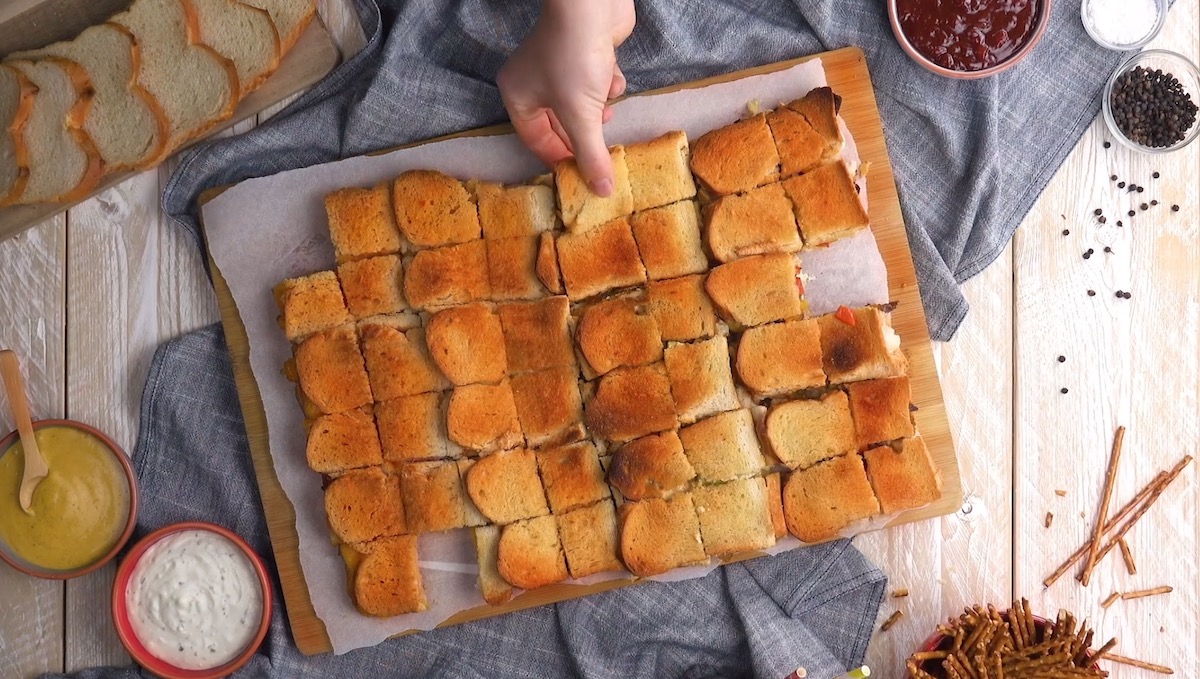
x=120, y=611
x=1039, y=29
x=9, y=556
x=941, y=642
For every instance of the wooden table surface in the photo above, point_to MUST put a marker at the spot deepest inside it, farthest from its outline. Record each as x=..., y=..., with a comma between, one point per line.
x=92, y=292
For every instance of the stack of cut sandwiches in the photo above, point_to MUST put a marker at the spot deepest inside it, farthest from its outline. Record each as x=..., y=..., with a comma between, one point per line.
x=125, y=94
x=631, y=383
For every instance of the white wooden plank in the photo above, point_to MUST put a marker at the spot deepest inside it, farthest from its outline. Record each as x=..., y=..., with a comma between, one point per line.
x=32, y=267
x=1134, y=362
x=965, y=557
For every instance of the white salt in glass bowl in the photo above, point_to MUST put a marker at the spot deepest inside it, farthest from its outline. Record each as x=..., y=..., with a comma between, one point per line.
x=1170, y=62
x=1084, y=15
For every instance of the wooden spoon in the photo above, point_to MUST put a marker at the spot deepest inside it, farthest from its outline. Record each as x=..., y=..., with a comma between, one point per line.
x=35, y=464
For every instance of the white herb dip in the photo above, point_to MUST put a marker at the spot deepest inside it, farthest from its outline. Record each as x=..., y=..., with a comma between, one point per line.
x=194, y=600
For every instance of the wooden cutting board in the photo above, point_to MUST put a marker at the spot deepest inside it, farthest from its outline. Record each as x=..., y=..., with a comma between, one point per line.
x=846, y=71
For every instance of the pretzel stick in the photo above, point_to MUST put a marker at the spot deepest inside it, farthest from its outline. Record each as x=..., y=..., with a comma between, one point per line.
x=1127, y=556
x=1109, y=601
x=1141, y=511
x=892, y=619
x=1161, y=669
x=1165, y=589
x=1110, y=477
x=1103, y=650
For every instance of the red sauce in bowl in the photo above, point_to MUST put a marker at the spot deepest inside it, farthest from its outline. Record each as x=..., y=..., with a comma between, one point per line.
x=968, y=35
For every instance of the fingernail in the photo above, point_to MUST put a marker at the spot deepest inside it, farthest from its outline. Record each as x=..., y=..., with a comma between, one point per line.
x=602, y=187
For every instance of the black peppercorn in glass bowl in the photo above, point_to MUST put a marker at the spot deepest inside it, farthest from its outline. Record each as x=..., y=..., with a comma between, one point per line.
x=1151, y=102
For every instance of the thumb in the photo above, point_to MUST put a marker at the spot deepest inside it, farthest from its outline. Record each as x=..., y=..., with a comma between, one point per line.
x=617, y=88
x=591, y=155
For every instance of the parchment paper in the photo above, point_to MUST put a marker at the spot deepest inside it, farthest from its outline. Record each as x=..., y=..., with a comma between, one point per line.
x=264, y=230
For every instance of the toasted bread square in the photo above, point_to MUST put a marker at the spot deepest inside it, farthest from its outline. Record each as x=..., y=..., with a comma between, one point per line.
x=701, y=381
x=820, y=108
x=804, y=432
x=619, y=332
x=652, y=466
x=905, y=477
x=483, y=418
x=331, y=372
x=398, y=362
x=826, y=204
x=546, y=266
x=537, y=334
x=467, y=344
x=682, y=309
x=412, y=428
x=364, y=504
x=495, y=589
x=572, y=476
x=343, y=441
x=658, y=171
x=775, y=503
x=600, y=259
x=737, y=157
x=668, y=239
x=472, y=517
x=780, y=358
x=754, y=223
x=548, y=405
x=433, y=209
x=868, y=349
x=510, y=211
x=530, y=554
x=658, y=535
x=735, y=517
x=800, y=147
x=631, y=402
x=824, y=499
x=756, y=290
x=361, y=223
x=880, y=410
x=512, y=268
x=505, y=486
x=589, y=539
x=387, y=581
x=448, y=276
x=310, y=304
x=434, y=499
x=724, y=447
x=582, y=209
x=373, y=286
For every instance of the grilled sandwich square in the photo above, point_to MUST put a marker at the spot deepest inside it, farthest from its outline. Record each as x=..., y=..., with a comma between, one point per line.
x=548, y=405
x=804, y=432
x=387, y=581
x=824, y=499
x=866, y=349
x=448, y=276
x=537, y=334
x=361, y=223
x=737, y=157
x=434, y=209
x=617, y=333
x=364, y=504
x=530, y=554
x=781, y=358
x=331, y=372
x=681, y=309
x=724, y=447
x=310, y=304
x=826, y=203
x=513, y=268
x=754, y=223
x=668, y=239
x=651, y=466
x=572, y=476
x=820, y=108
x=343, y=441
x=701, y=381
x=600, y=259
x=398, y=362
x=631, y=402
x=546, y=266
x=413, y=428
x=434, y=499
x=373, y=286
x=800, y=147
x=505, y=486
x=880, y=410
x=511, y=211
x=756, y=290
x=472, y=517
x=467, y=344
x=659, y=535
x=495, y=589
x=775, y=502
x=735, y=517
x=904, y=477
x=658, y=171
x=582, y=209
x=590, y=539
x=483, y=418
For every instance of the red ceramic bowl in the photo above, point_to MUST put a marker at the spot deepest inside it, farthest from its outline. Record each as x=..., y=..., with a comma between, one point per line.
x=940, y=642
x=120, y=612
x=1039, y=29
x=11, y=558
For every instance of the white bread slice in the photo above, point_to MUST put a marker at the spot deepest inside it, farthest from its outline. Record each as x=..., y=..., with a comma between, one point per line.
x=16, y=101
x=243, y=34
x=495, y=589
x=63, y=162
x=127, y=125
x=196, y=87
x=290, y=17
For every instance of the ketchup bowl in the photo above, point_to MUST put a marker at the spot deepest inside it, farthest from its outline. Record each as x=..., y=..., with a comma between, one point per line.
x=966, y=54
x=235, y=572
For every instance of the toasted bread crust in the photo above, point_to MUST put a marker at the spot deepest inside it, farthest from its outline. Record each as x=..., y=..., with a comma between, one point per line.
x=601, y=259
x=310, y=304
x=331, y=372
x=631, y=402
x=495, y=589
x=826, y=204
x=361, y=223
x=483, y=417
x=582, y=209
x=735, y=517
x=530, y=553
x=412, y=428
x=343, y=441
x=756, y=290
x=433, y=496
x=364, y=504
x=850, y=353
x=448, y=276
x=537, y=334
x=668, y=240
x=903, y=479
x=651, y=466
x=548, y=405
x=659, y=535
x=824, y=499
x=618, y=333
x=658, y=171
x=737, y=157
x=880, y=410
x=723, y=447
x=397, y=362
x=434, y=209
x=802, y=433
x=590, y=539
x=681, y=309
x=387, y=582
x=701, y=381
x=467, y=344
x=511, y=211
x=373, y=286
x=572, y=476
x=505, y=486
x=781, y=358
x=754, y=223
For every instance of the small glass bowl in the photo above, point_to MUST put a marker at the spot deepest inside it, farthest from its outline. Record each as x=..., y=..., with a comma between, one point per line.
x=1170, y=62
x=1162, y=5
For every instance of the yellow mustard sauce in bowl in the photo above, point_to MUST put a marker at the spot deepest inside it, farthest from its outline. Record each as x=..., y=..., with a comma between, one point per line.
x=80, y=511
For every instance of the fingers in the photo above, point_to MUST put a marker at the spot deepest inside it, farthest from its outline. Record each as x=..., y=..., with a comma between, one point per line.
x=617, y=88
x=539, y=135
x=584, y=130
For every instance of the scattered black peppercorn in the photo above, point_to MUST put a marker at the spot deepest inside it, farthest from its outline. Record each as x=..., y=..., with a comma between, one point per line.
x=1120, y=294
x=1097, y=212
x=1108, y=249
x=1132, y=188
x=1103, y=220
x=1062, y=359
x=1151, y=107
x=1087, y=254
x=1141, y=189
x=1120, y=223
x=1154, y=202
x=1107, y=144
x=1121, y=185
x=1063, y=390
x=1174, y=208
x=1156, y=175
x=1144, y=207
x=1132, y=213
x=1114, y=177
x=1066, y=232
x=1128, y=295
x=1091, y=293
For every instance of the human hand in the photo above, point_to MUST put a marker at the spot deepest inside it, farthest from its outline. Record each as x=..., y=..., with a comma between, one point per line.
x=557, y=84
